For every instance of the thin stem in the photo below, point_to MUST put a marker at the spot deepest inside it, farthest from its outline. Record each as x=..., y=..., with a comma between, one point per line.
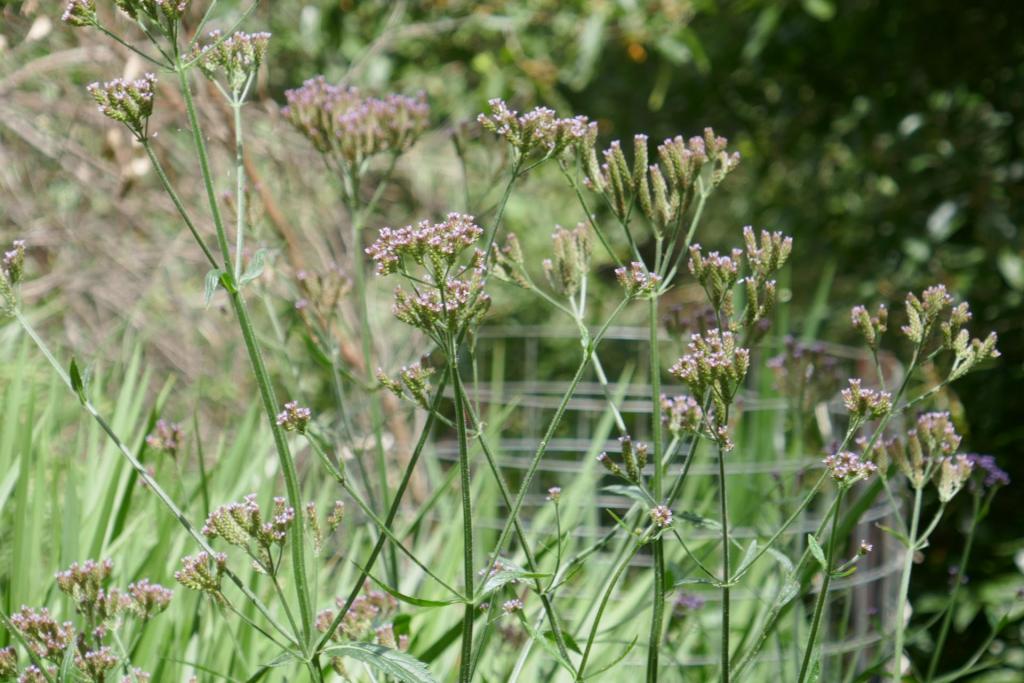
x=239, y=190
x=901, y=597
x=143, y=473
x=466, y=662
x=725, y=566
x=600, y=611
x=819, y=605
x=176, y=200
x=390, y=518
x=658, y=547
x=266, y=389
x=947, y=618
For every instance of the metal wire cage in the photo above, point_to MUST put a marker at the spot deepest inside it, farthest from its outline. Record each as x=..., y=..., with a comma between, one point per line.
x=768, y=476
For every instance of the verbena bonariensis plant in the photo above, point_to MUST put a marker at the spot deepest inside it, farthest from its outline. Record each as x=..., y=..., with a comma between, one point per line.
x=645, y=213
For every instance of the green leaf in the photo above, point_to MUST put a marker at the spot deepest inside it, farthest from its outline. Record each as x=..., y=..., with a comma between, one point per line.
x=418, y=602
x=748, y=557
x=816, y=550
x=615, y=661
x=211, y=284
x=505, y=577
x=389, y=662
x=570, y=642
x=77, y=385
x=255, y=268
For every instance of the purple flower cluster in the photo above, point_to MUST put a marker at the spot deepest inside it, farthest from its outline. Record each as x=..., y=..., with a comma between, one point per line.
x=166, y=437
x=341, y=120
x=362, y=618
x=241, y=524
x=203, y=573
x=433, y=245
x=46, y=637
x=866, y=403
x=79, y=13
x=294, y=418
x=155, y=10
x=539, y=132
x=451, y=307
x=637, y=280
x=130, y=102
x=714, y=362
x=237, y=57
x=149, y=599
x=847, y=468
x=682, y=414
x=993, y=474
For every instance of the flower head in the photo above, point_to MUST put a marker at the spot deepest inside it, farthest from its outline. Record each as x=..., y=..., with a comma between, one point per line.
x=435, y=246
x=539, y=132
x=512, y=606
x=991, y=473
x=661, y=515
x=130, y=102
x=294, y=418
x=79, y=13
x=953, y=474
x=847, y=467
x=637, y=280
x=203, y=573
x=866, y=404
x=571, y=261
x=149, y=599
x=682, y=414
x=352, y=126
x=714, y=363
x=870, y=327
x=8, y=663
x=237, y=57
x=47, y=638
x=554, y=494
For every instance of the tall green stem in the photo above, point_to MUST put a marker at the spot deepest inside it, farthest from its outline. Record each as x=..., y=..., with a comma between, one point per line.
x=725, y=565
x=901, y=597
x=819, y=605
x=266, y=389
x=658, y=548
x=466, y=662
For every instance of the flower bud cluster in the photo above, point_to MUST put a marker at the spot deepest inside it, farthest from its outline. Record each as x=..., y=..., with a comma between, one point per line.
x=866, y=404
x=714, y=365
x=343, y=122
x=870, y=327
x=294, y=418
x=634, y=459
x=130, y=102
x=661, y=515
x=717, y=275
x=96, y=664
x=932, y=440
x=369, y=611
x=537, y=134
x=682, y=415
x=166, y=437
x=764, y=260
x=12, y=265
x=8, y=663
x=454, y=306
x=46, y=638
x=414, y=379
x=148, y=599
x=508, y=264
x=512, y=606
x=33, y=674
x=242, y=525
x=571, y=261
x=954, y=472
x=637, y=280
x=202, y=572
x=11, y=269
x=236, y=57
x=158, y=11
x=924, y=312
x=847, y=467
x=663, y=190
x=334, y=519
x=80, y=13
x=435, y=246
x=85, y=584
